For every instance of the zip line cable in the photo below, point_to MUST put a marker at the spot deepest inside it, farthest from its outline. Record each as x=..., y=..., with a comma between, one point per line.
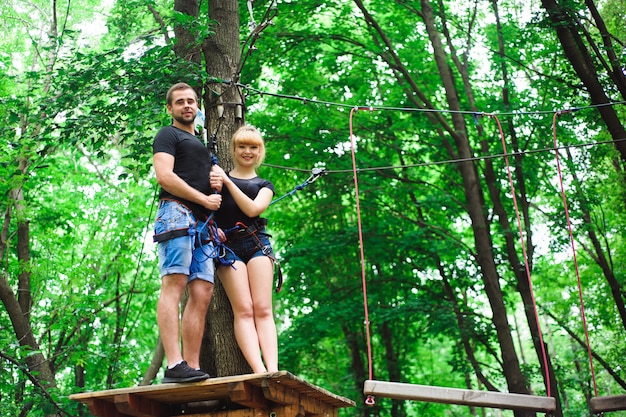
x=253, y=91
x=450, y=161
x=410, y=109
x=315, y=174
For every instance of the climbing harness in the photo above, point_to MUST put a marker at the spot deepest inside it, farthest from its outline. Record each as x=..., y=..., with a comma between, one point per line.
x=171, y=234
x=217, y=250
x=205, y=240
x=241, y=231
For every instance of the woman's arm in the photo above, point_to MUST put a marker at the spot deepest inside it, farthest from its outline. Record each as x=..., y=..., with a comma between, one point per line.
x=249, y=207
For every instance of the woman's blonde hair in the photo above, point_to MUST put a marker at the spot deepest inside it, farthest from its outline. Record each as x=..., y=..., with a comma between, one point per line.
x=248, y=135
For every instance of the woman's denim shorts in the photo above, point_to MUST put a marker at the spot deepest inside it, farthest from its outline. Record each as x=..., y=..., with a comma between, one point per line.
x=248, y=247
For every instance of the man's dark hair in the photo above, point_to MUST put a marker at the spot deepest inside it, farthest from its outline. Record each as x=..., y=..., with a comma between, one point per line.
x=176, y=87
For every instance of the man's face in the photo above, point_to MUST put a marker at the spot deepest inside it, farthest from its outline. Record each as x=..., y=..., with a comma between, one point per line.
x=184, y=106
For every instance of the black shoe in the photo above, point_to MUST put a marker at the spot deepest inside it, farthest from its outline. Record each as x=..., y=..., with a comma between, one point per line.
x=183, y=373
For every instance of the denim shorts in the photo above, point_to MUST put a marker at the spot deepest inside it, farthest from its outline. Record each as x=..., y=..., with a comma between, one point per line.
x=245, y=248
x=188, y=254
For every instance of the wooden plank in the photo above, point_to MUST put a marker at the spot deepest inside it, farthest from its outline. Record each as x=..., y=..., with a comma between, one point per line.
x=280, y=393
x=247, y=395
x=137, y=406
x=402, y=391
x=99, y=407
x=608, y=403
x=258, y=391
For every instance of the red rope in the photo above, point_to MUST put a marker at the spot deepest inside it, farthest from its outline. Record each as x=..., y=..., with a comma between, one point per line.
x=526, y=265
x=571, y=238
x=370, y=399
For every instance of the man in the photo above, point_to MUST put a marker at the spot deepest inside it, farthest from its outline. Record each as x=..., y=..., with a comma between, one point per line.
x=182, y=165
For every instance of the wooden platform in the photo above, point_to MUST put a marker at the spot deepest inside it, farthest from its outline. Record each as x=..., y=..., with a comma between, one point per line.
x=278, y=394
x=442, y=395
x=609, y=403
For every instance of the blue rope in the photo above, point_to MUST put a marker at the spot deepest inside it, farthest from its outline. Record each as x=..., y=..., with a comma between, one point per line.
x=315, y=174
x=215, y=251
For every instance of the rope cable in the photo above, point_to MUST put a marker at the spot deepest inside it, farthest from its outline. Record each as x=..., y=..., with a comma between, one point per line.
x=370, y=399
x=305, y=100
x=450, y=161
x=573, y=245
x=526, y=261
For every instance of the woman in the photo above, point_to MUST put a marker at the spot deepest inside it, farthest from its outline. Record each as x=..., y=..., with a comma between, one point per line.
x=249, y=280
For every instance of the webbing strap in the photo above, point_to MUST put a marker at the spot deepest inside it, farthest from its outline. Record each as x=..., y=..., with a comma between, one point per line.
x=171, y=234
x=251, y=230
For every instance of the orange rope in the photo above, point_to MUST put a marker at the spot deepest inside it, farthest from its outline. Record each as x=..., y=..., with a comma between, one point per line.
x=571, y=238
x=526, y=265
x=370, y=399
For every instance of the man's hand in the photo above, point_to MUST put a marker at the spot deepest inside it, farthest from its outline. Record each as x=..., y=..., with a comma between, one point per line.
x=213, y=201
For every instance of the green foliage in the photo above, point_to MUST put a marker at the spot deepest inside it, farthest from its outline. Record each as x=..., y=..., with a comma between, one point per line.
x=413, y=212
x=78, y=136
x=78, y=114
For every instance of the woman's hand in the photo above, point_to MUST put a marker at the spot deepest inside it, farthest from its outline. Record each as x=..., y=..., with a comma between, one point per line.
x=221, y=236
x=216, y=178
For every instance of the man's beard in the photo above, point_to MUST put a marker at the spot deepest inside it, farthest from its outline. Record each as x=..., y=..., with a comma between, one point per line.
x=183, y=121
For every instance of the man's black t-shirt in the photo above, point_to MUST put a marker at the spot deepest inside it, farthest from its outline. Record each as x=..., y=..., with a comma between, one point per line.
x=229, y=212
x=192, y=163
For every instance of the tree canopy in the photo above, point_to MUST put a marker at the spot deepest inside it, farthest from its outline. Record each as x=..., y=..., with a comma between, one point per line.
x=466, y=231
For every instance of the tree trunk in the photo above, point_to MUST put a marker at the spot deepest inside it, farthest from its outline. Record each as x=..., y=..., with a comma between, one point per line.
x=186, y=46
x=578, y=55
x=475, y=207
x=14, y=304
x=224, y=107
x=24, y=296
x=517, y=265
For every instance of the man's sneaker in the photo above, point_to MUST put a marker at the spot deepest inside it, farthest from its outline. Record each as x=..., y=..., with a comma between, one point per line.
x=183, y=373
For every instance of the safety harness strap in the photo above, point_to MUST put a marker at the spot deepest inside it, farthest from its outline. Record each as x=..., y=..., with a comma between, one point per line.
x=170, y=234
x=240, y=230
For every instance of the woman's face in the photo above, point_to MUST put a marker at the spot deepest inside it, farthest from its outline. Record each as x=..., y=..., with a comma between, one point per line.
x=247, y=154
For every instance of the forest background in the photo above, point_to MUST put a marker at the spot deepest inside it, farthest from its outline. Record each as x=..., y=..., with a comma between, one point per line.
x=485, y=248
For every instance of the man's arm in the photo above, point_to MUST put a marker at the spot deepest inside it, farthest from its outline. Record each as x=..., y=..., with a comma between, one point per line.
x=173, y=184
